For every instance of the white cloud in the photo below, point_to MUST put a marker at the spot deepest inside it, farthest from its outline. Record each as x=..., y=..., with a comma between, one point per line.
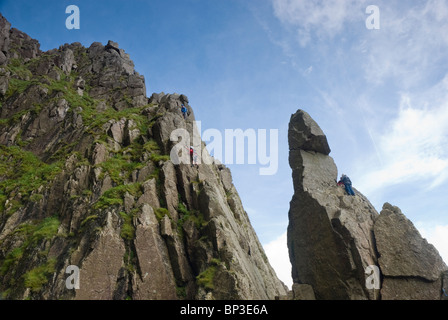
x=437, y=236
x=410, y=45
x=277, y=253
x=414, y=146
x=325, y=18
x=308, y=71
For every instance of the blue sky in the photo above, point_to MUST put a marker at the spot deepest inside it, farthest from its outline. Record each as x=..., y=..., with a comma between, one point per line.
x=379, y=95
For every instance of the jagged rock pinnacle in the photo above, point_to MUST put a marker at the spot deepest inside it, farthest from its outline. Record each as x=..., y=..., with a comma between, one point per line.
x=305, y=134
x=334, y=239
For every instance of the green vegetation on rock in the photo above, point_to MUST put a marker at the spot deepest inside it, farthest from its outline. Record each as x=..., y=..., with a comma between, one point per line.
x=37, y=277
x=31, y=235
x=115, y=195
x=206, y=278
x=22, y=173
x=127, y=229
x=161, y=212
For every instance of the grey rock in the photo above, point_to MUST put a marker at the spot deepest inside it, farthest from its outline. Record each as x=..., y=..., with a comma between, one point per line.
x=395, y=235
x=303, y=292
x=129, y=202
x=144, y=173
x=330, y=244
x=411, y=267
x=165, y=227
x=80, y=84
x=149, y=195
x=131, y=132
x=100, y=268
x=333, y=238
x=65, y=61
x=115, y=77
x=163, y=128
x=156, y=98
x=156, y=278
x=169, y=188
x=305, y=134
x=4, y=79
x=5, y=27
x=100, y=153
x=24, y=45
x=116, y=130
x=113, y=45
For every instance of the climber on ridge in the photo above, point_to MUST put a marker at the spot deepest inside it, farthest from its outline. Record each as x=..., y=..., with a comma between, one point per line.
x=192, y=156
x=184, y=111
x=345, y=180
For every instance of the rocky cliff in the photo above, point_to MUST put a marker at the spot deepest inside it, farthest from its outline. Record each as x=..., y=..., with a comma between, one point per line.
x=87, y=182
x=339, y=244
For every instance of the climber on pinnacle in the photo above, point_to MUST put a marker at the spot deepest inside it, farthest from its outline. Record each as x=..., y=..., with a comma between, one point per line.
x=345, y=180
x=184, y=111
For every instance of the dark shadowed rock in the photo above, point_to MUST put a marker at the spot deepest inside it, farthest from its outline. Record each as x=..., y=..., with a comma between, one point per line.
x=303, y=292
x=5, y=28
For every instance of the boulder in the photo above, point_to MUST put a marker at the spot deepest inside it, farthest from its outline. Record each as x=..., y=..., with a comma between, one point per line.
x=410, y=266
x=150, y=195
x=65, y=61
x=116, y=130
x=305, y=134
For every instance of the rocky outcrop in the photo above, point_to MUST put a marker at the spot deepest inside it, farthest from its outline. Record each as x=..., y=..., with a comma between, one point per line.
x=335, y=239
x=329, y=234
x=15, y=43
x=410, y=266
x=86, y=181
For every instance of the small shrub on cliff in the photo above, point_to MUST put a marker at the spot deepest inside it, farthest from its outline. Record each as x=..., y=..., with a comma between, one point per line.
x=37, y=277
x=127, y=229
x=206, y=278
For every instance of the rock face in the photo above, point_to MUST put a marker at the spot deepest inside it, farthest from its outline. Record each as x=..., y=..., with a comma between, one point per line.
x=410, y=266
x=86, y=180
x=335, y=239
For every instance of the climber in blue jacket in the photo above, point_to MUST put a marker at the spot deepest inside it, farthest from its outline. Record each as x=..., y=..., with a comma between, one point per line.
x=345, y=180
x=184, y=111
